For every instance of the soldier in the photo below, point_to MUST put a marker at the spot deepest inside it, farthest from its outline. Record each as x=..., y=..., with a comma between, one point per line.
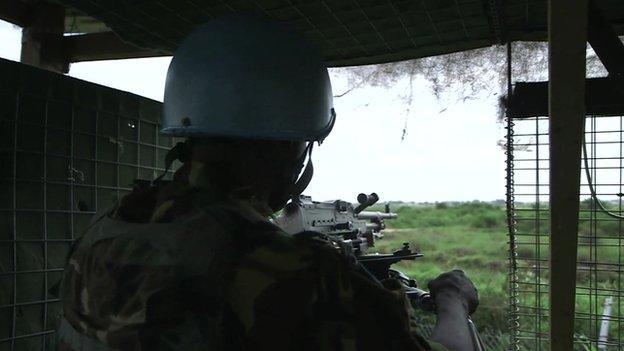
x=194, y=264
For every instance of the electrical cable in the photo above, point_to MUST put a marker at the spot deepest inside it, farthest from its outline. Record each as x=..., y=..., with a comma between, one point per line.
x=592, y=190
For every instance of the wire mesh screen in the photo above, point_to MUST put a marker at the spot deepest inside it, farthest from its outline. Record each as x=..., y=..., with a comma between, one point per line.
x=68, y=149
x=599, y=319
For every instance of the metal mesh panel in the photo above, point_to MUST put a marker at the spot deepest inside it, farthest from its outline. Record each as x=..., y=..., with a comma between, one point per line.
x=68, y=149
x=599, y=319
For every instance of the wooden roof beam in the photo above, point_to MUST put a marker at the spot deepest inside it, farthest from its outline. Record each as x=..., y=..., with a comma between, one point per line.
x=16, y=12
x=567, y=42
x=42, y=36
x=46, y=47
x=103, y=46
x=605, y=42
x=602, y=98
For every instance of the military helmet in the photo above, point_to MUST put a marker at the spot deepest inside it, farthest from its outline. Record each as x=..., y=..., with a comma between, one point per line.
x=246, y=76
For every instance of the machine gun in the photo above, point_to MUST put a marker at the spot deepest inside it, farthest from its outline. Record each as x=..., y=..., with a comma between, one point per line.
x=339, y=220
x=354, y=230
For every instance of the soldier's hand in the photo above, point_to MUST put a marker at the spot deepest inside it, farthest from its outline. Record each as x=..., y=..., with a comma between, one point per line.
x=454, y=286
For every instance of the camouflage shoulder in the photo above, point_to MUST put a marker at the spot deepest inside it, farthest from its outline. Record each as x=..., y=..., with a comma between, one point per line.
x=287, y=253
x=309, y=284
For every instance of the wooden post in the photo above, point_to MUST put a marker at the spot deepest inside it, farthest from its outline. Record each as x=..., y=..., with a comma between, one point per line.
x=42, y=38
x=567, y=40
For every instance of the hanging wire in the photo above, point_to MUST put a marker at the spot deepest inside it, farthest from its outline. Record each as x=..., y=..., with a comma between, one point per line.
x=592, y=189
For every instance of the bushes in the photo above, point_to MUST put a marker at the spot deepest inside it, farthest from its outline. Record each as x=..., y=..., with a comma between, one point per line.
x=474, y=214
x=488, y=220
x=441, y=205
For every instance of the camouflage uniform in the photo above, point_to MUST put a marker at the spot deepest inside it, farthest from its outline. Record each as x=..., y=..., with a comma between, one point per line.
x=186, y=269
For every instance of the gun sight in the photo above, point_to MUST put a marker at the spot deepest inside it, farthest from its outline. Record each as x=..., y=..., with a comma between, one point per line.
x=365, y=201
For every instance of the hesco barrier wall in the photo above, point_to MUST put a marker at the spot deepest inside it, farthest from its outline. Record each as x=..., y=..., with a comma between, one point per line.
x=68, y=149
x=599, y=319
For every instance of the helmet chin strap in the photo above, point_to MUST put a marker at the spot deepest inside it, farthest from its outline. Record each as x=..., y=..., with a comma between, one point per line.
x=306, y=176
x=181, y=151
x=302, y=183
x=298, y=183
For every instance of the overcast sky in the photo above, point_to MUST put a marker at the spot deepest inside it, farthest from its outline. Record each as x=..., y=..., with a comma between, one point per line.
x=450, y=152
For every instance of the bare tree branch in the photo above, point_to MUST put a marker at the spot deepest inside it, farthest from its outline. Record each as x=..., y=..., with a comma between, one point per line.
x=462, y=76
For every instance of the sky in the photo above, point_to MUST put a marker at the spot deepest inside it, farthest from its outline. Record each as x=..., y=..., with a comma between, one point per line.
x=449, y=153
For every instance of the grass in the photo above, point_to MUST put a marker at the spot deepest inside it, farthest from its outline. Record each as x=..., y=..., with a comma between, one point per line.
x=469, y=236
x=473, y=237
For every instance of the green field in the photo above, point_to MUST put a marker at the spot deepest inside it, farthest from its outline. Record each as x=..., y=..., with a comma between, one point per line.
x=469, y=236
x=473, y=237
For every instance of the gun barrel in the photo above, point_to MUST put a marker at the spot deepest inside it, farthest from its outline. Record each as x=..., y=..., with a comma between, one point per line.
x=368, y=215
